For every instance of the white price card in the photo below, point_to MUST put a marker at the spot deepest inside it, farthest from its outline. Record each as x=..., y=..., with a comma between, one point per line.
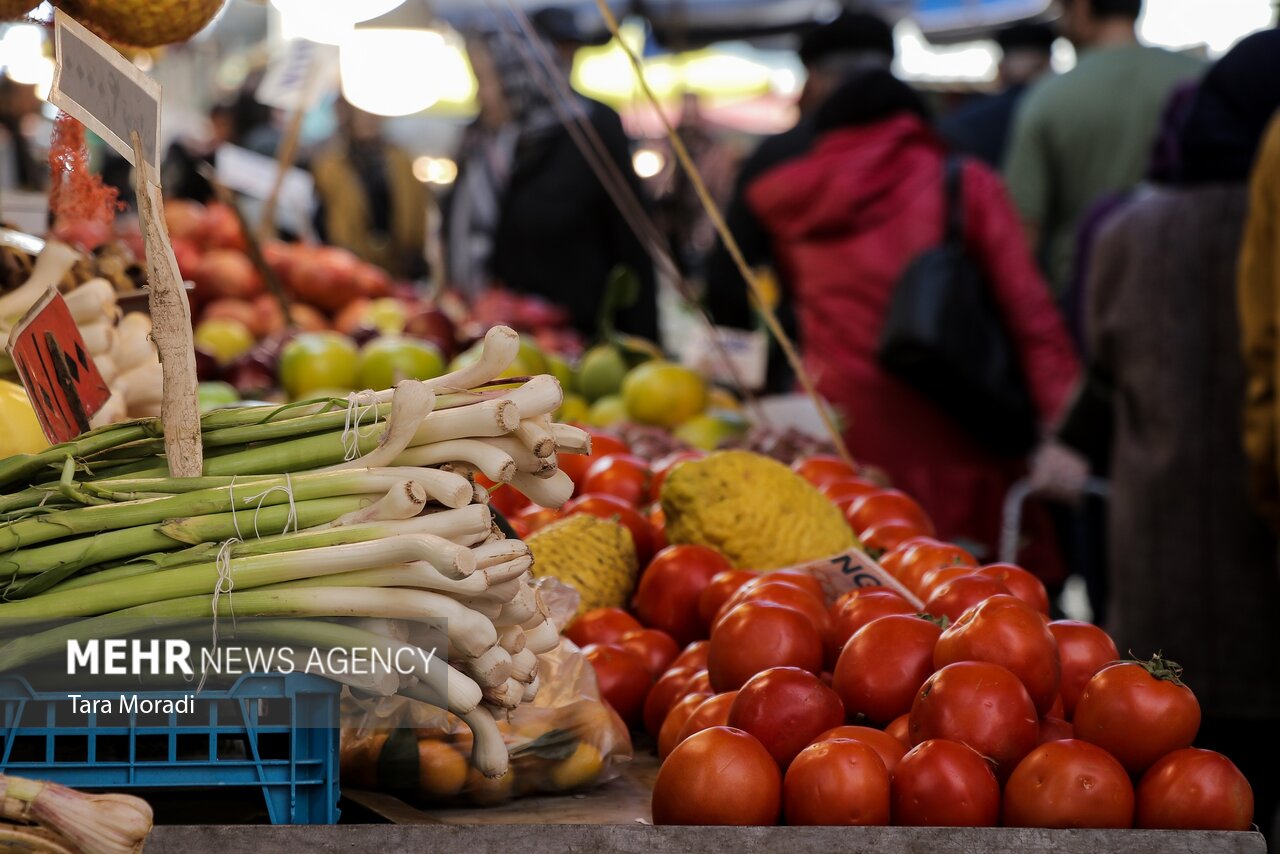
x=299, y=76
x=729, y=356
x=106, y=92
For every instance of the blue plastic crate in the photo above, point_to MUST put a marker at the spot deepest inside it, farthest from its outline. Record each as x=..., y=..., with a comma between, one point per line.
x=274, y=732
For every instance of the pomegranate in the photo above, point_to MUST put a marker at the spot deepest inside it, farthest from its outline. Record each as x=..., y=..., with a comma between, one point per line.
x=226, y=273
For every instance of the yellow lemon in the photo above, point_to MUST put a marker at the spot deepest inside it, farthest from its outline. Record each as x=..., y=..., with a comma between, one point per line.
x=21, y=433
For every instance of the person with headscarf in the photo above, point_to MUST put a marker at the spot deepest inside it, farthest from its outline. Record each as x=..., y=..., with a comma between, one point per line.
x=1193, y=565
x=528, y=210
x=845, y=222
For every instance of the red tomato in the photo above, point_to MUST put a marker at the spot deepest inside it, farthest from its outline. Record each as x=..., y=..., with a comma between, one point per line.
x=872, y=604
x=920, y=559
x=663, y=467
x=935, y=578
x=888, y=534
x=883, y=665
x=664, y=694
x=798, y=577
x=846, y=489
x=1055, y=711
x=615, y=508
x=521, y=529
x=1084, y=649
x=602, y=445
x=885, y=506
x=979, y=704
x=755, y=636
x=700, y=683
x=900, y=728
x=784, y=708
x=694, y=782
x=535, y=517
x=887, y=747
x=601, y=625
x=623, y=678
x=1005, y=630
x=506, y=499
x=722, y=586
x=658, y=521
x=669, y=734
x=714, y=711
x=952, y=598
x=1138, y=711
x=655, y=648
x=623, y=475
x=822, y=469
x=788, y=595
x=1193, y=789
x=1021, y=583
x=667, y=596
x=1055, y=729
x=1068, y=784
x=839, y=782
x=944, y=783
x=694, y=655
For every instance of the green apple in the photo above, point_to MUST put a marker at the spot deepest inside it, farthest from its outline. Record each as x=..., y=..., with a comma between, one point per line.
x=607, y=411
x=216, y=395
x=601, y=372
x=388, y=360
x=560, y=369
x=574, y=409
x=318, y=360
x=664, y=393
x=387, y=315
x=223, y=338
x=531, y=356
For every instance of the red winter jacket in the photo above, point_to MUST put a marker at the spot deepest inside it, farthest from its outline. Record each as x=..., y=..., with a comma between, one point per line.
x=846, y=220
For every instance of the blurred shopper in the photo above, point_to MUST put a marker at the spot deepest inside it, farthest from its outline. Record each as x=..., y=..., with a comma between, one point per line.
x=852, y=43
x=845, y=222
x=370, y=201
x=20, y=167
x=981, y=126
x=527, y=210
x=1193, y=565
x=180, y=170
x=1088, y=132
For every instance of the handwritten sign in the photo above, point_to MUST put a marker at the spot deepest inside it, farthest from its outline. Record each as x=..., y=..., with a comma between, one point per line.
x=706, y=350
x=299, y=76
x=107, y=93
x=852, y=569
x=61, y=379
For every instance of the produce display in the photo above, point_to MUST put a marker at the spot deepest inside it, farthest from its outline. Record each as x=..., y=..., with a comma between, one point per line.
x=52, y=818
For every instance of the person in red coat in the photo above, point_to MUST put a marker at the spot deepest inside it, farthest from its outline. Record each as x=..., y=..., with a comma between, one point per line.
x=845, y=221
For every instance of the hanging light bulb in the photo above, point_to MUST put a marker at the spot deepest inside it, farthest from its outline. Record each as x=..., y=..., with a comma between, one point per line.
x=391, y=72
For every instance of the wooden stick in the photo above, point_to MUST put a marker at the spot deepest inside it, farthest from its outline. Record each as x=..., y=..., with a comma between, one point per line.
x=286, y=152
x=171, y=331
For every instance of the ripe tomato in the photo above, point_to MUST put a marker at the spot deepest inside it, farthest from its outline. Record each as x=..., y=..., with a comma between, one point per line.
x=822, y=469
x=887, y=747
x=1021, y=583
x=872, y=604
x=784, y=708
x=719, y=776
x=714, y=711
x=798, y=577
x=935, y=578
x=846, y=489
x=919, y=558
x=601, y=625
x=755, y=636
x=506, y=499
x=623, y=475
x=1138, y=711
x=1054, y=729
x=664, y=694
x=839, y=782
x=1005, y=630
x=944, y=783
x=782, y=592
x=722, y=586
x=654, y=647
x=884, y=664
x=667, y=596
x=888, y=534
x=1084, y=649
x=1193, y=789
x=900, y=728
x=979, y=704
x=535, y=518
x=615, y=508
x=623, y=678
x=663, y=467
x=669, y=734
x=602, y=445
x=694, y=655
x=952, y=598
x=885, y=506
x=1068, y=784
x=700, y=683
x=850, y=595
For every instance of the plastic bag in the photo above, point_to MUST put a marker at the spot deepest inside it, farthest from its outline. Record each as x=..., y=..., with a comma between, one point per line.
x=566, y=740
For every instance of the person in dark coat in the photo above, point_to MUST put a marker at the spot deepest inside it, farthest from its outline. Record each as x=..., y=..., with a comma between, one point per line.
x=527, y=211
x=1193, y=565
x=981, y=126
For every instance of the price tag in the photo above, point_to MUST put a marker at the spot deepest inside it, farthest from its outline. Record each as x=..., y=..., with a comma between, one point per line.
x=852, y=569
x=299, y=76
x=55, y=367
x=254, y=175
x=106, y=92
x=706, y=349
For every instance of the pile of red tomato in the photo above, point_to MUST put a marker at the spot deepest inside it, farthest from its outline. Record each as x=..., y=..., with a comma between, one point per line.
x=770, y=706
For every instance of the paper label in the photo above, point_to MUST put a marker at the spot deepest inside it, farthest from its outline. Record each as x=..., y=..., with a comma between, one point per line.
x=706, y=349
x=254, y=175
x=106, y=92
x=299, y=76
x=852, y=569
x=27, y=212
x=55, y=367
